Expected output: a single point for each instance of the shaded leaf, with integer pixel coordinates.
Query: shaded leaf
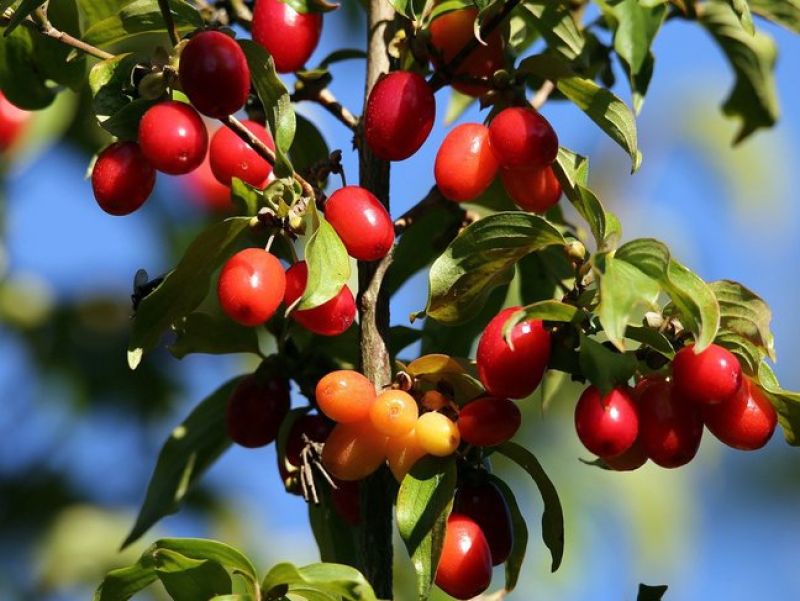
(651, 593)
(604, 367)
(335, 579)
(187, 579)
(743, 313)
(554, 22)
(137, 18)
(25, 8)
(123, 583)
(786, 403)
(516, 557)
(309, 146)
(213, 334)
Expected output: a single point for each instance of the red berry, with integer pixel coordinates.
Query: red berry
(204, 189)
(362, 222)
(251, 286)
(485, 504)
(465, 568)
(12, 122)
(488, 422)
(256, 409)
(214, 74)
(451, 32)
(607, 426)
(230, 156)
(630, 460)
(534, 189)
(514, 373)
(521, 137)
(122, 179)
(399, 115)
(346, 501)
(173, 137)
(709, 377)
(746, 421)
(670, 427)
(290, 37)
(330, 318)
(465, 164)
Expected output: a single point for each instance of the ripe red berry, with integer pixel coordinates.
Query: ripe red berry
(465, 164)
(251, 286)
(214, 74)
(399, 115)
(708, 377)
(230, 156)
(485, 504)
(362, 222)
(746, 421)
(205, 190)
(451, 32)
(256, 409)
(12, 122)
(521, 137)
(173, 137)
(290, 37)
(513, 373)
(534, 189)
(465, 567)
(330, 318)
(607, 426)
(670, 427)
(488, 422)
(630, 460)
(122, 179)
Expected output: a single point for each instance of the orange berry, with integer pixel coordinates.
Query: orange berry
(345, 396)
(434, 400)
(394, 413)
(402, 452)
(354, 451)
(437, 434)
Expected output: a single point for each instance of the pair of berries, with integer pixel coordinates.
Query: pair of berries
(662, 419)
(519, 144)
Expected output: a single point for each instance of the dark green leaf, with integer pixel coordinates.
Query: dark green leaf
(336, 539)
(520, 544)
(696, 303)
(336, 579)
(327, 261)
(277, 104)
(343, 54)
(553, 516)
(604, 367)
(423, 506)
(184, 288)
(123, 583)
(652, 338)
(187, 579)
(782, 12)
(309, 147)
(753, 100)
(213, 334)
(651, 593)
(246, 198)
(137, 18)
(20, 77)
(743, 313)
(786, 403)
(115, 108)
(554, 22)
(482, 258)
(25, 8)
(189, 451)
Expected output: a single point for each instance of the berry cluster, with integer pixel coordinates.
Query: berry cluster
(662, 418)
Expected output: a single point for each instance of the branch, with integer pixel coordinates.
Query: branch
(166, 14)
(431, 200)
(442, 76)
(328, 101)
(45, 28)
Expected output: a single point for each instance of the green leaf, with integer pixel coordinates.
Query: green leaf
(553, 516)
(554, 22)
(625, 293)
(309, 147)
(184, 288)
(786, 403)
(603, 367)
(327, 261)
(336, 539)
(204, 549)
(651, 593)
(652, 338)
(312, 6)
(482, 258)
(335, 579)
(189, 451)
(600, 104)
(742, 10)
(456, 106)
(411, 9)
(25, 8)
(246, 198)
(572, 171)
(137, 18)
(547, 310)
(20, 76)
(753, 100)
(123, 583)
(782, 12)
(436, 368)
(744, 314)
(214, 335)
(424, 503)
(694, 299)
(187, 579)
(520, 544)
(277, 103)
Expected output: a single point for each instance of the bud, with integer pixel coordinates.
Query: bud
(575, 250)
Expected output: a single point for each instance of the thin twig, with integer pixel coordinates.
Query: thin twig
(432, 199)
(328, 101)
(45, 28)
(443, 75)
(166, 14)
(542, 94)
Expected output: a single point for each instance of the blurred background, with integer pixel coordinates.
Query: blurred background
(79, 432)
